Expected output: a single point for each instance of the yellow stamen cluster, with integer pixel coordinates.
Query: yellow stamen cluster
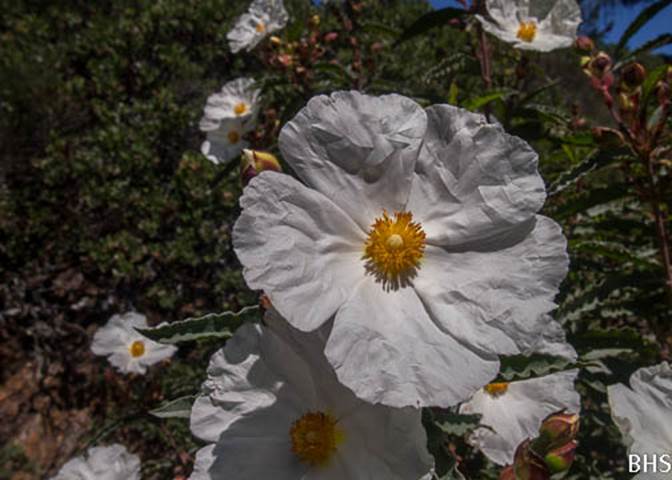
(137, 349)
(240, 108)
(496, 389)
(394, 248)
(315, 437)
(527, 31)
(233, 136)
(261, 27)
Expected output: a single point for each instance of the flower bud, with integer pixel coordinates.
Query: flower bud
(559, 428)
(633, 75)
(255, 162)
(527, 465)
(600, 65)
(276, 41)
(560, 459)
(314, 21)
(330, 37)
(507, 474)
(584, 44)
(607, 138)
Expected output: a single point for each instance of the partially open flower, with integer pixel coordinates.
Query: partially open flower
(127, 349)
(255, 162)
(599, 65)
(109, 463)
(513, 21)
(633, 75)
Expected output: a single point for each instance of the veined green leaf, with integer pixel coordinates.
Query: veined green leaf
(213, 325)
(642, 19)
(456, 423)
(177, 408)
(514, 367)
(597, 159)
(433, 19)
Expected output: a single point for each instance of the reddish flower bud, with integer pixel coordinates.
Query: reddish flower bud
(527, 465)
(600, 65)
(633, 75)
(330, 37)
(559, 428)
(561, 459)
(254, 162)
(508, 473)
(584, 44)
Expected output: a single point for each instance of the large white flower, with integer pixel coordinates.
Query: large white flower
(127, 349)
(642, 413)
(262, 18)
(514, 411)
(102, 463)
(273, 408)
(417, 230)
(512, 21)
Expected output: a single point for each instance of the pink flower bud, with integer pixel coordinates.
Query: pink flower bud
(527, 465)
(560, 428)
(584, 44)
(561, 458)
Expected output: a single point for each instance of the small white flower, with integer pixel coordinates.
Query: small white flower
(224, 139)
(127, 349)
(262, 18)
(102, 463)
(514, 411)
(417, 232)
(273, 408)
(512, 22)
(642, 413)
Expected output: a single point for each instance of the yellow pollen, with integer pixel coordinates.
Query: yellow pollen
(137, 349)
(233, 136)
(315, 437)
(261, 28)
(496, 389)
(240, 108)
(527, 31)
(394, 248)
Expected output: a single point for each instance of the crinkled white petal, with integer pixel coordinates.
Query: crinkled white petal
(113, 462)
(218, 147)
(357, 150)
(492, 295)
(552, 341)
(115, 338)
(642, 412)
(387, 349)
(264, 380)
(517, 414)
(245, 34)
(299, 247)
(472, 181)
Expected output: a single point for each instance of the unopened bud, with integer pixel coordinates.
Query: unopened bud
(276, 41)
(607, 138)
(527, 465)
(314, 21)
(560, 428)
(561, 459)
(600, 65)
(255, 162)
(633, 75)
(507, 474)
(584, 44)
(330, 37)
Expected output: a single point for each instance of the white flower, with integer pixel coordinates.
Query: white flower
(513, 22)
(514, 411)
(417, 231)
(127, 349)
(273, 408)
(227, 117)
(262, 18)
(102, 463)
(642, 413)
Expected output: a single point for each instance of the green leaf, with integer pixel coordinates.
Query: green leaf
(585, 201)
(596, 159)
(478, 102)
(515, 367)
(380, 29)
(652, 79)
(430, 20)
(647, 14)
(213, 325)
(177, 408)
(609, 338)
(455, 423)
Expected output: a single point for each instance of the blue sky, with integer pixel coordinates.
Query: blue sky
(621, 16)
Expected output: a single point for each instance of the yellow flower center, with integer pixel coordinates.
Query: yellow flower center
(527, 31)
(240, 108)
(233, 136)
(315, 437)
(394, 248)
(496, 389)
(137, 349)
(261, 28)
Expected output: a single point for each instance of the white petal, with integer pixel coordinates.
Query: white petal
(493, 296)
(386, 348)
(563, 20)
(106, 463)
(156, 352)
(517, 414)
(472, 180)
(356, 149)
(298, 247)
(642, 413)
(552, 341)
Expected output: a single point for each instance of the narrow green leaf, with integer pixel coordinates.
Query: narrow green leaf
(213, 325)
(380, 28)
(642, 19)
(178, 408)
(538, 91)
(609, 338)
(456, 423)
(515, 367)
(592, 198)
(430, 20)
(597, 159)
(652, 79)
(478, 102)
